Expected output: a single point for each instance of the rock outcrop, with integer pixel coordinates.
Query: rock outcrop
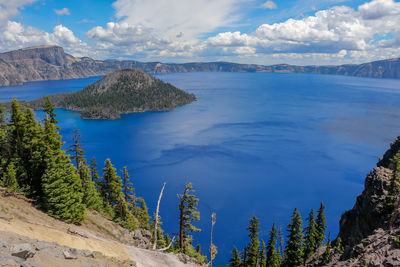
(51, 63)
(370, 231)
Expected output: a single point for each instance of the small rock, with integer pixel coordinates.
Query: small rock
(87, 253)
(23, 251)
(68, 256)
(73, 251)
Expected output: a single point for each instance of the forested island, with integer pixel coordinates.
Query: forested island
(121, 92)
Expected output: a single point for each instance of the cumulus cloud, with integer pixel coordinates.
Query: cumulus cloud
(330, 31)
(169, 18)
(62, 12)
(15, 35)
(10, 8)
(269, 5)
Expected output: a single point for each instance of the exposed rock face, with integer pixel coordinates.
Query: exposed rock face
(51, 63)
(370, 229)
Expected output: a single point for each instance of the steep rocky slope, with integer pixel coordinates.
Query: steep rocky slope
(370, 230)
(51, 63)
(29, 237)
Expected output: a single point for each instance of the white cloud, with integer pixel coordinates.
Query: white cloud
(169, 18)
(332, 31)
(269, 5)
(15, 35)
(62, 12)
(10, 8)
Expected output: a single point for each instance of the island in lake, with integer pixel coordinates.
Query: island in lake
(121, 92)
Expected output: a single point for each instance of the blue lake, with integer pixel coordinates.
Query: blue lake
(252, 144)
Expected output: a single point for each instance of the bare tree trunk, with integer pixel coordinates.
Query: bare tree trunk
(212, 251)
(170, 244)
(156, 218)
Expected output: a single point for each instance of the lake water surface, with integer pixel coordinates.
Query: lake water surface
(252, 144)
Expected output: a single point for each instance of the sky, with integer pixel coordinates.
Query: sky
(302, 32)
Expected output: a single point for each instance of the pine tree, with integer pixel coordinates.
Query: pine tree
(262, 258)
(235, 261)
(99, 182)
(61, 185)
(328, 250)
(112, 182)
(17, 130)
(310, 233)
(76, 150)
(32, 153)
(321, 226)
(49, 109)
(253, 247)
(141, 212)
(273, 258)
(10, 179)
(294, 246)
(339, 246)
(129, 191)
(188, 214)
(62, 190)
(91, 197)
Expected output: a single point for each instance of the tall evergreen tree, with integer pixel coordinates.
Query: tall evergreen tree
(294, 246)
(188, 214)
(112, 181)
(142, 213)
(321, 226)
(99, 182)
(310, 235)
(61, 185)
(254, 245)
(49, 109)
(262, 258)
(235, 261)
(76, 150)
(91, 197)
(273, 258)
(63, 190)
(129, 191)
(10, 178)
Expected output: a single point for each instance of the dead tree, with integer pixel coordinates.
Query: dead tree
(156, 217)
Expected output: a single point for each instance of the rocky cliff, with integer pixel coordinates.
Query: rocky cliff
(370, 231)
(52, 63)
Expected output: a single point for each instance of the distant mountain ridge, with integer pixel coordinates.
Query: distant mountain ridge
(52, 63)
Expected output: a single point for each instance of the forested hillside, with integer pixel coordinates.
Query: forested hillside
(123, 91)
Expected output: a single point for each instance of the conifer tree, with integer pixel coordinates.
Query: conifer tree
(273, 258)
(188, 214)
(328, 250)
(310, 235)
(321, 226)
(61, 185)
(76, 150)
(10, 178)
(49, 109)
(129, 191)
(99, 182)
(17, 131)
(91, 197)
(339, 246)
(142, 214)
(235, 261)
(112, 182)
(254, 245)
(262, 258)
(294, 246)
(62, 190)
